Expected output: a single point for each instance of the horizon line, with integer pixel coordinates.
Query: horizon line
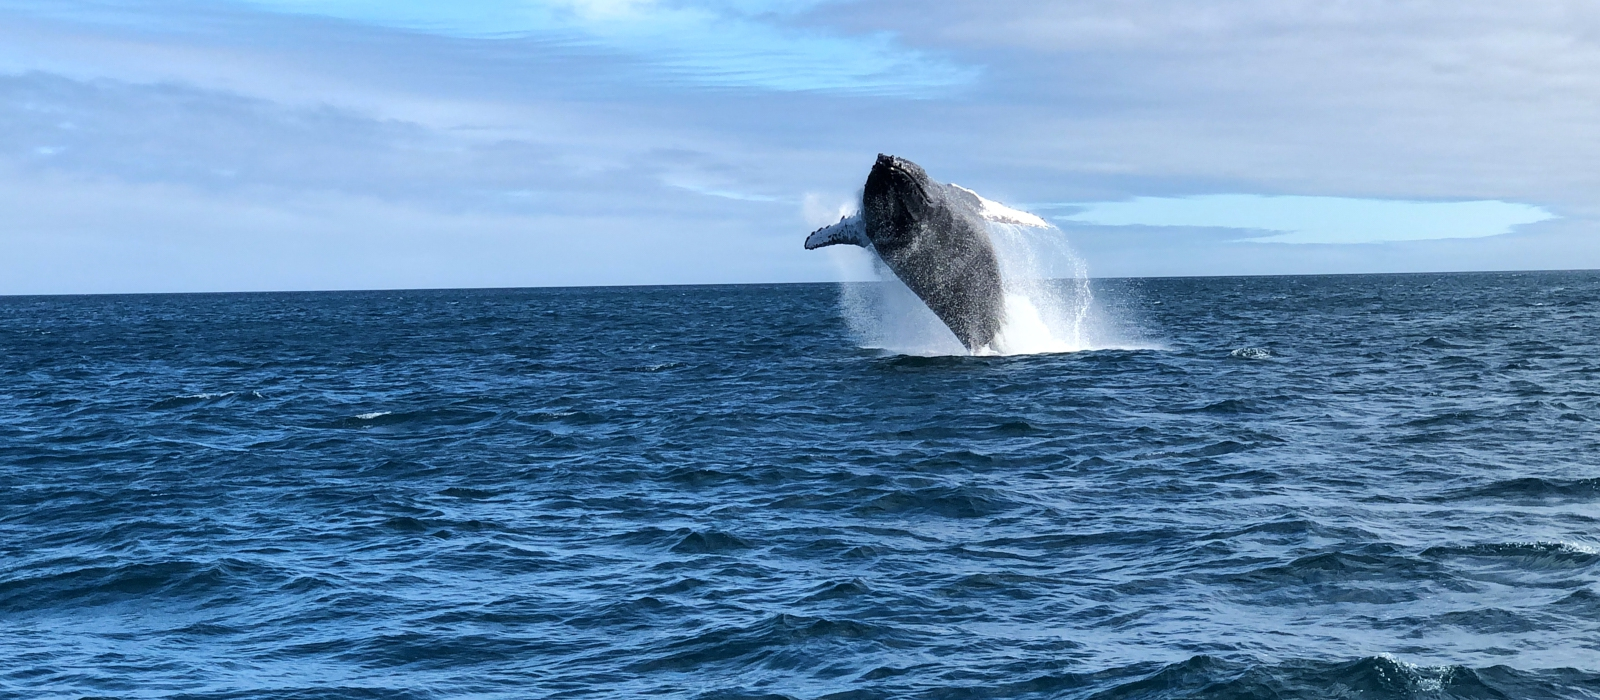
(755, 284)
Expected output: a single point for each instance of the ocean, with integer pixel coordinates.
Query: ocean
(1379, 486)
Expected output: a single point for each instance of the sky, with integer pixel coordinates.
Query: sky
(240, 145)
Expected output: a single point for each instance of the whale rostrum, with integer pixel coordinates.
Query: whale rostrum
(933, 237)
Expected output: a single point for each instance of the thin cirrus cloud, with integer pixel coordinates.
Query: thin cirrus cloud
(1307, 219)
(717, 44)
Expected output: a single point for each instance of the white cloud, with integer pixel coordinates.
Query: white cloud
(1316, 219)
(64, 234)
(704, 43)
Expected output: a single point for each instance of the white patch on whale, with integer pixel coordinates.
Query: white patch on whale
(1002, 214)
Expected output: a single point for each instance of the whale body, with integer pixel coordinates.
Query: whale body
(933, 237)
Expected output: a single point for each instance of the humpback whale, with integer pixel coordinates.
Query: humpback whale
(932, 236)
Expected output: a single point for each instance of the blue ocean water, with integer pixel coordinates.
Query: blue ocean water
(1310, 487)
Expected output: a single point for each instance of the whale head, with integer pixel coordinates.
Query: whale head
(898, 194)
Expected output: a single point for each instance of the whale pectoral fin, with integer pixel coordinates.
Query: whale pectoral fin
(1015, 218)
(991, 210)
(849, 230)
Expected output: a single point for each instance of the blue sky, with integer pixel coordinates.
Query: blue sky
(327, 144)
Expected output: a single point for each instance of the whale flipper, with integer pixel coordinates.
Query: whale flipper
(991, 210)
(849, 230)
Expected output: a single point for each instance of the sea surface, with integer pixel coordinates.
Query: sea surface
(1302, 487)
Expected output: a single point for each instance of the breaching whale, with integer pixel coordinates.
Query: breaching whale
(933, 238)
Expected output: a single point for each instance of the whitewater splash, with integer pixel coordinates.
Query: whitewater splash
(1049, 304)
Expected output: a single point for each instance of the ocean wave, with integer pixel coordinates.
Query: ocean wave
(1379, 677)
(781, 641)
(1377, 574)
(428, 417)
(709, 542)
(1375, 677)
(204, 399)
(172, 581)
(1537, 555)
(1531, 488)
(946, 501)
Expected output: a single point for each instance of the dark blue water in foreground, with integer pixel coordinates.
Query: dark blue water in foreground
(712, 492)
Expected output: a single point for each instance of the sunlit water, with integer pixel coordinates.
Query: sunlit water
(1310, 487)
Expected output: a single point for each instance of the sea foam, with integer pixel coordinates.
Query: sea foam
(1049, 302)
